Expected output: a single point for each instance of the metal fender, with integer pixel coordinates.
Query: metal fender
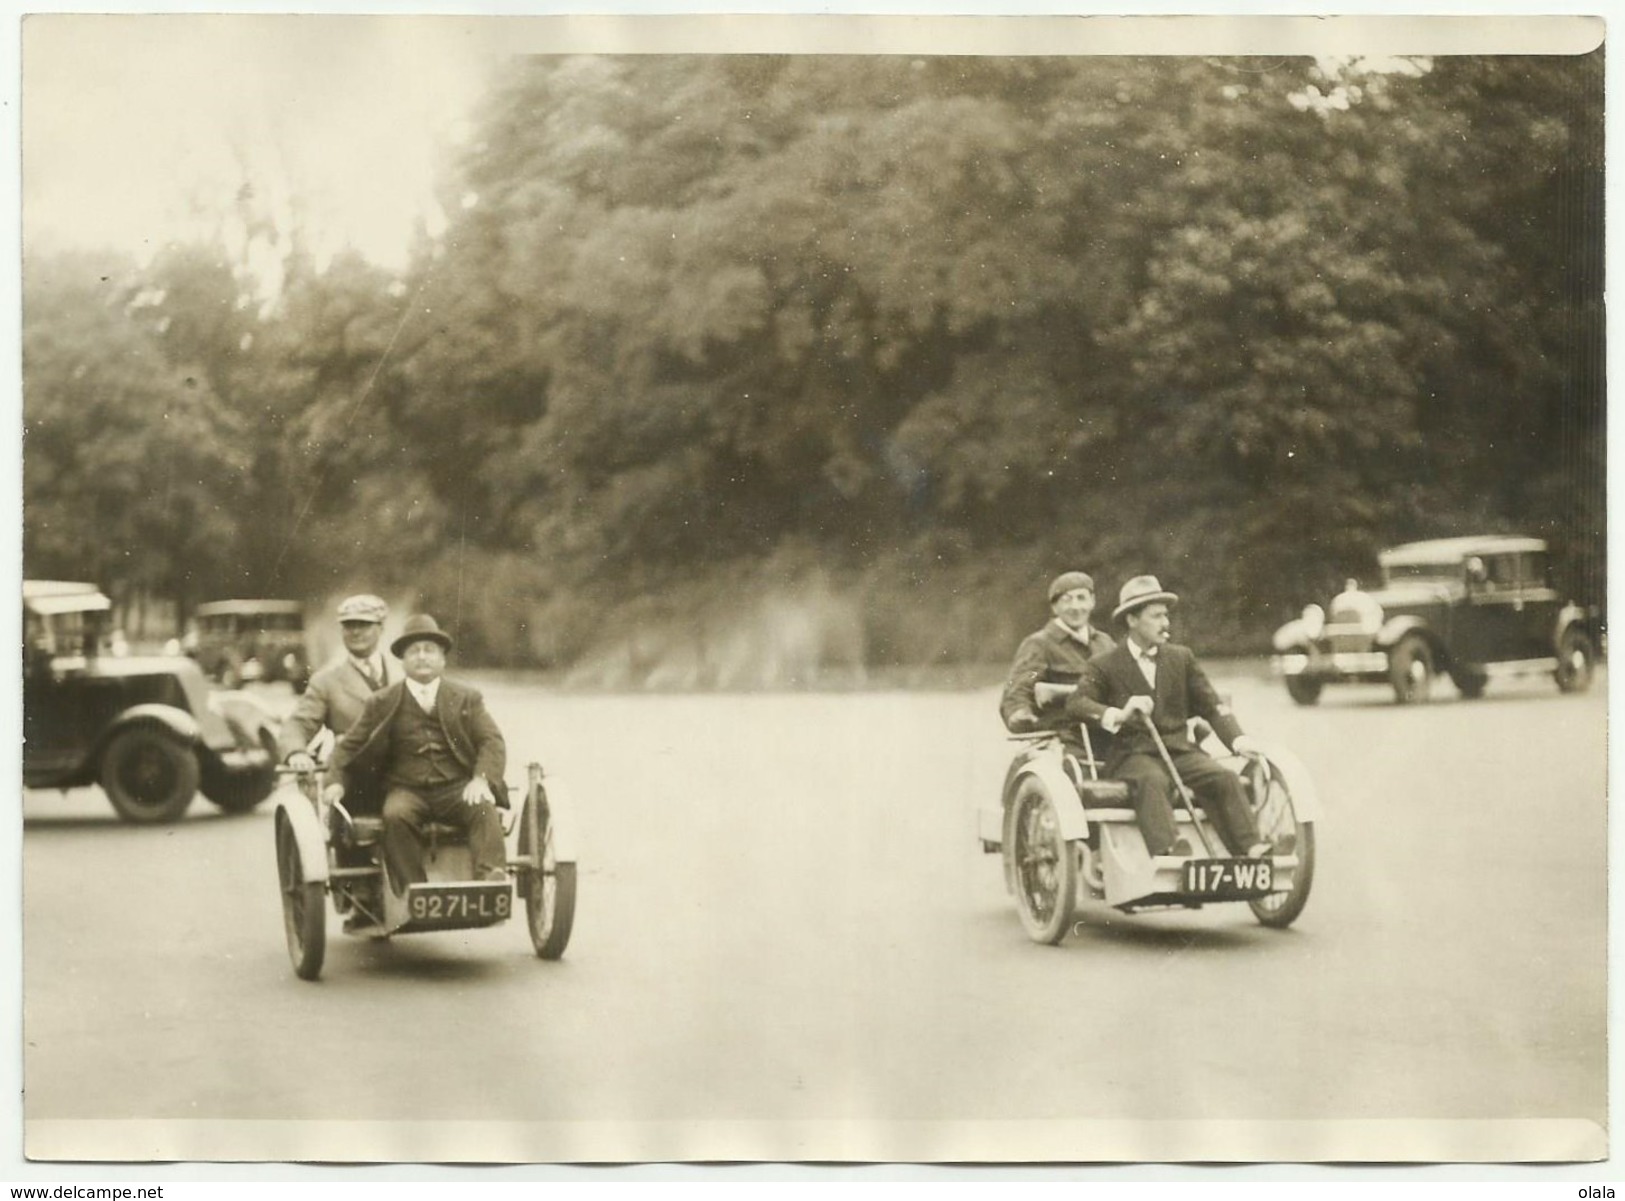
(243, 709)
(178, 721)
(1063, 793)
(1396, 628)
(560, 807)
(1305, 797)
(295, 808)
(1569, 615)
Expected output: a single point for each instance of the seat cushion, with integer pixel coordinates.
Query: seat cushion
(1105, 794)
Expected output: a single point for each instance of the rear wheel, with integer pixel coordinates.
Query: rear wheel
(149, 774)
(1043, 866)
(1304, 690)
(1575, 656)
(550, 890)
(304, 917)
(1410, 669)
(1470, 681)
(1277, 819)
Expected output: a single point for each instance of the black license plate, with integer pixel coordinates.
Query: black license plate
(458, 906)
(1228, 879)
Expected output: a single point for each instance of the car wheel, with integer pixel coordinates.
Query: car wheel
(1410, 670)
(1304, 690)
(1470, 681)
(304, 918)
(240, 792)
(149, 774)
(1046, 867)
(1575, 657)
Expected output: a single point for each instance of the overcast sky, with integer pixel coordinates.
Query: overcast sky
(130, 121)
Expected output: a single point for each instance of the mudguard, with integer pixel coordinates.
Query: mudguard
(178, 721)
(1396, 628)
(1305, 799)
(559, 808)
(307, 831)
(1063, 793)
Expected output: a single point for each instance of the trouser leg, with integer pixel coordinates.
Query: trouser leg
(481, 822)
(1152, 808)
(404, 814)
(1222, 797)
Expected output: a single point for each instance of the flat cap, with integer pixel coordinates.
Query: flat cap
(1067, 581)
(365, 607)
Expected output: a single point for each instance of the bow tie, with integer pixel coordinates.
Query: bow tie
(1149, 653)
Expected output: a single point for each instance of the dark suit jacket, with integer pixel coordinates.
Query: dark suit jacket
(1183, 691)
(1053, 655)
(362, 755)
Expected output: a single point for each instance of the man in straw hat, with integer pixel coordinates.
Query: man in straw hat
(1148, 678)
(338, 691)
(438, 754)
(1056, 654)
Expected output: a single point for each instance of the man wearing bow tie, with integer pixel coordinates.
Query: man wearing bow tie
(1148, 677)
(338, 691)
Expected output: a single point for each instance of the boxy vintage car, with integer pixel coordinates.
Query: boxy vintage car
(148, 729)
(241, 641)
(1475, 608)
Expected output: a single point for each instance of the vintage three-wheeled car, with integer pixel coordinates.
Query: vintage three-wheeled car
(323, 851)
(1069, 838)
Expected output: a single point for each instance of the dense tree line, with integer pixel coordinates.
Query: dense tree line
(898, 337)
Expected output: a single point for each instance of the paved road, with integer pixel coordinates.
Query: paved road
(785, 916)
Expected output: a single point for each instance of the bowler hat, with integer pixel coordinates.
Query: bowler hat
(419, 627)
(1141, 590)
(1067, 581)
(365, 607)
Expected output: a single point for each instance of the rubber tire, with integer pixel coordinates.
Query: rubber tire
(549, 918)
(1046, 869)
(1412, 651)
(1470, 682)
(150, 775)
(1280, 910)
(240, 793)
(1569, 677)
(1304, 692)
(304, 907)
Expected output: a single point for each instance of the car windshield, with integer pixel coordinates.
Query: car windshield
(1423, 573)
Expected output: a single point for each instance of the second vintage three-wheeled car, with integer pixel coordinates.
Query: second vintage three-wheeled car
(325, 851)
(1069, 838)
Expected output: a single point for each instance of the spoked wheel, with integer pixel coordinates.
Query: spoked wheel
(1575, 656)
(1410, 670)
(1277, 818)
(550, 887)
(1042, 864)
(304, 915)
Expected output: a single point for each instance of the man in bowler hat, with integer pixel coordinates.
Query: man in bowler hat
(1150, 678)
(438, 753)
(1056, 654)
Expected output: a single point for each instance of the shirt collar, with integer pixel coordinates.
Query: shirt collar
(425, 693)
(373, 666)
(1140, 656)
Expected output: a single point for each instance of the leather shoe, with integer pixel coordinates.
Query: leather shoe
(1180, 850)
(495, 875)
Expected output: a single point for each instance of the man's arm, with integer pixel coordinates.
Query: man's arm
(347, 747)
(1018, 706)
(490, 750)
(1205, 702)
(307, 719)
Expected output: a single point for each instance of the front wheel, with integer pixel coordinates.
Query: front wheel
(550, 891)
(1277, 819)
(1410, 669)
(1575, 657)
(150, 775)
(1470, 681)
(1042, 863)
(1304, 690)
(304, 916)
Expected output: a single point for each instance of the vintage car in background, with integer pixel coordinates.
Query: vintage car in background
(1475, 608)
(240, 641)
(148, 729)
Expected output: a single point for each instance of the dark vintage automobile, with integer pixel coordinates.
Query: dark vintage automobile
(240, 641)
(147, 729)
(1475, 608)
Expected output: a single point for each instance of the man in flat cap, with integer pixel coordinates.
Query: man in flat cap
(1056, 654)
(438, 754)
(1148, 678)
(338, 691)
